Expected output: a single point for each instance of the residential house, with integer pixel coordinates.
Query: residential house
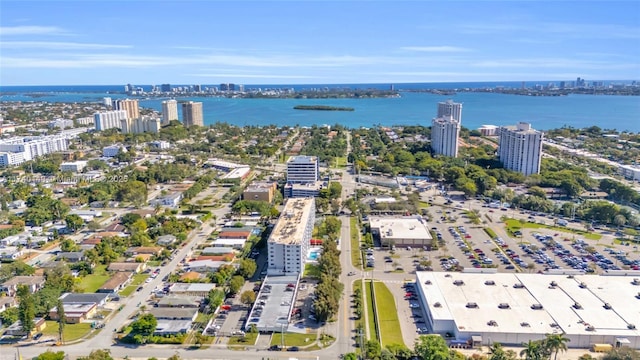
(134, 267)
(204, 266)
(137, 250)
(195, 289)
(116, 283)
(173, 320)
(10, 253)
(180, 301)
(171, 200)
(166, 240)
(34, 283)
(15, 329)
(7, 302)
(72, 257)
(79, 307)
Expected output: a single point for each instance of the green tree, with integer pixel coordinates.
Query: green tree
(74, 222)
(62, 320)
(235, 284)
(556, 343)
(350, 356)
(97, 355)
(26, 309)
(623, 353)
(431, 347)
(532, 350)
(248, 297)
(16, 268)
(50, 355)
(145, 325)
(372, 349)
(247, 268)
(215, 298)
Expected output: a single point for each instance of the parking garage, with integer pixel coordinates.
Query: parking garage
(272, 309)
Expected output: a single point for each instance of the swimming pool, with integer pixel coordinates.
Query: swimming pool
(313, 255)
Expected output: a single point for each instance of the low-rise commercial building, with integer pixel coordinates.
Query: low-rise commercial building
(410, 231)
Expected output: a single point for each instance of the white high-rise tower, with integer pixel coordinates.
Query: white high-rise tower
(450, 108)
(169, 111)
(521, 148)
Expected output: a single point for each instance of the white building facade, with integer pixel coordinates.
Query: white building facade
(169, 111)
(109, 119)
(444, 136)
(289, 241)
(75, 166)
(303, 169)
(520, 148)
(450, 108)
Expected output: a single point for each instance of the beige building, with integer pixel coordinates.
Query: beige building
(131, 106)
(260, 191)
(169, 111)
(192, 114)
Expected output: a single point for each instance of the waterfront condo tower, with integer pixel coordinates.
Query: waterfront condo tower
(192, 114)
(131, 106)
(450, 108)
(520, 148)
(169, 111)
(444, 136)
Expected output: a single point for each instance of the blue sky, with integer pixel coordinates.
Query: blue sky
(306, 42)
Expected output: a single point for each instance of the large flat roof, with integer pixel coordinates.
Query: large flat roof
(454, 291)
(292, 222)
(414, 227)
(277, 305)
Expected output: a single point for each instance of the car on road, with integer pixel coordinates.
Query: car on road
(37, 336)
(293, 348)
(351, 273)
(414, 306)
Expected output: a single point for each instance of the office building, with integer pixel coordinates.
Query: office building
(106, 120)
(192, 114)
(113, 150)
(129, 105)
(444, 136)
(630, 172)
(410, 231)
(289, 241)
(520, 148)
(303, 169)
(450, 108)
(169, 111)
(60, 123)
(478, 309)
(75, 166)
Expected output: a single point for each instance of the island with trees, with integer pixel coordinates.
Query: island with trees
(322, 108)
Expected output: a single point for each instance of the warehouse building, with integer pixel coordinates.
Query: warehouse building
(509, 308)
(408, 231)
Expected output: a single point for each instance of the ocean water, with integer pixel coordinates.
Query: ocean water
(608, 112)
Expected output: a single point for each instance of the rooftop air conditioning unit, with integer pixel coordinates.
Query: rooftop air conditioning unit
(577, 306)
(489, 282)
(583, 285)
(553, 284)
(428, 282)
(590, 328)
(504, 306)
(536, 307)
(636, 281)
(492, 323)
(458, 282)
(525, 324)
(631, 327)
(437, 305)
(472, 305)
(518, 286)
(607, 306)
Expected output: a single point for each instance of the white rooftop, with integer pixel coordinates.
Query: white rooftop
(292, 222)
(401, 227)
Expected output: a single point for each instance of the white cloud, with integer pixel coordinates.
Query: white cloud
(31, 30)
(438, 49)
(58, 45)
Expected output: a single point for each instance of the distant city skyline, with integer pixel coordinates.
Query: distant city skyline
(313, 42)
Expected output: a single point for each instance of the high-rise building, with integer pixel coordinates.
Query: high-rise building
(192, 114)
(303, 169)
(444, 136)
(520, 148)
(450, 108)
(131, 106)
(140, 125)
(169, 111)
(109, 119)
(289, 241)
(106, 101)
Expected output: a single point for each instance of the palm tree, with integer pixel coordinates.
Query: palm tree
(497, 352)
(532, 350)
(555, 343)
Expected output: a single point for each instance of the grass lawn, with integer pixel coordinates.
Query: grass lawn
(293, 339)
(387, 316)
(249, 339)
(340, 162)
(71, 331)
(359, 322)
(154, 263)
(513, 225)
(423, 204)
(492, 234)
(137, 280)
(373, 335)
(93, 282)
(356, 254)
(311, 270)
